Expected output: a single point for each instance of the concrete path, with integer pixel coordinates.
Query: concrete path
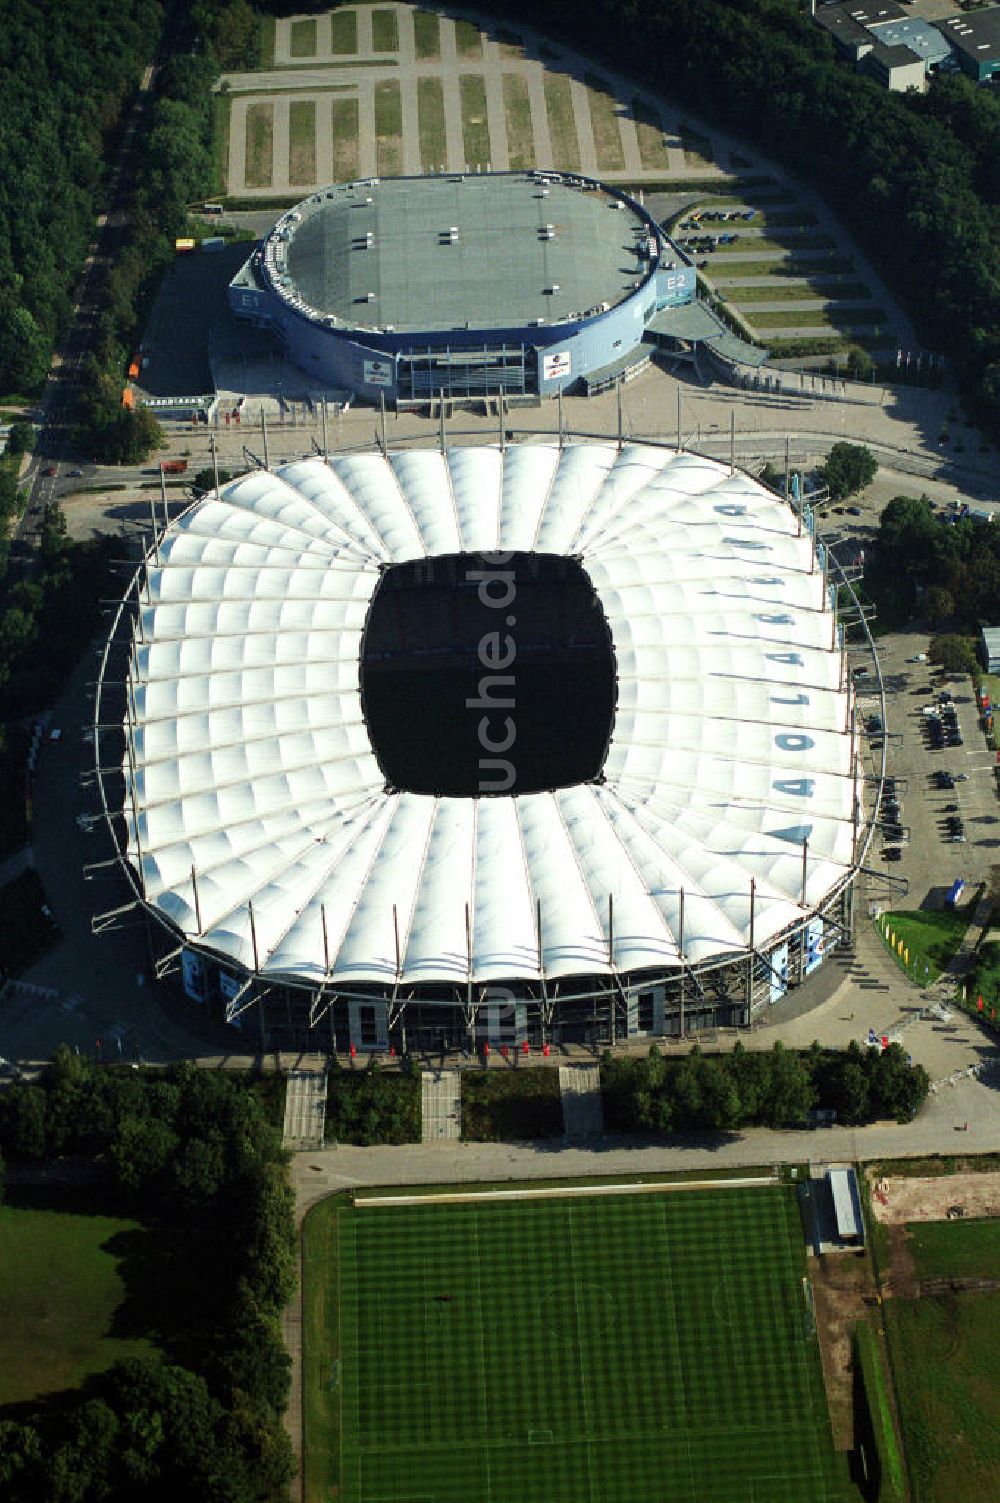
(583, 1111)
(305, 1110)
(440, 1105)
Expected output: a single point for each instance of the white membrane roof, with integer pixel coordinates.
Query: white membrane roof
(254, 768)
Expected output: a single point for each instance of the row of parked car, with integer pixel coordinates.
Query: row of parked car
(941, 723)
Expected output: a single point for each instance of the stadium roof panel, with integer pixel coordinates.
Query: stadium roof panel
(486, 251)
(254, 769)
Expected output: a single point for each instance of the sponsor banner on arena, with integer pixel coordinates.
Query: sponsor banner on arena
(815, 945)
(378, 372)
(555, 367)
(779, 972)
(229, 985)
(193, 977)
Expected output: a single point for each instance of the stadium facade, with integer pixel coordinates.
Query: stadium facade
(406, 290)
(698, 869)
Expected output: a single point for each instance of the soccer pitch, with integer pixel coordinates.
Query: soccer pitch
(627, 1346)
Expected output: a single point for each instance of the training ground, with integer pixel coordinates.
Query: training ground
(645, 1345)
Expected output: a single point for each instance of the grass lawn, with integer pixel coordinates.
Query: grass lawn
(945, 1357)
(517, 116)
(344, 32)
(388, 128)
(649, 130)
(565, 1349)
(265, 32)
(805, 241)
(931, 938)
(961, 1249)
(302, 141)
(426, 34)
(260, 145)
(818, 266)
(468, 39)
(385, 31)
(809, 318)
(430, 118)
(59, 1289)
(697, 148)
(507, 1104)
(562, 123)
(345, 140)
(604, 108)
(26, 932)
(302, 38)
(794, 293)
(475, 131)
(221, 105)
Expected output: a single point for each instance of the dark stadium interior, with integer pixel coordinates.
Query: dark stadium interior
(518, 641)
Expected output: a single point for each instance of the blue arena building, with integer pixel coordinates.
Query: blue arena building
(413, 289)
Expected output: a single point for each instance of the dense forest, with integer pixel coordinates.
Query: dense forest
(194, 1156)
(916, 178)
(66, 69)
(68, 72)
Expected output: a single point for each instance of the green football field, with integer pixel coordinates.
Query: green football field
(629, 1346)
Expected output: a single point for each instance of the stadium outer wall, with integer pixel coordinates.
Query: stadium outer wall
(376, 365)
(595, 1011)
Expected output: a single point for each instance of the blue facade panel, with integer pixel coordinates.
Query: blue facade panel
(545, 358)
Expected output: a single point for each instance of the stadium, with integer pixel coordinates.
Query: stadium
(410, 290)
(521, 743)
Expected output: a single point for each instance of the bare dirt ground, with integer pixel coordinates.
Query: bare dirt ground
(842, 1288)
(898, 1200)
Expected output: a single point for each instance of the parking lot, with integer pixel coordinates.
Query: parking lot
(944, 822)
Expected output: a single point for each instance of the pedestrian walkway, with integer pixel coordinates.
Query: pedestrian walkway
(305, 1110)
(440, 1106)
(583, 1111)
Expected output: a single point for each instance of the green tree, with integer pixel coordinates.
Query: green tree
(939, 604)
(848, 469)
(953, 653)
(21, 438)
(23, 1112)
(790, 1091)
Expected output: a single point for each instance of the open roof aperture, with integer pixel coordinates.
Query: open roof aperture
(487, 674)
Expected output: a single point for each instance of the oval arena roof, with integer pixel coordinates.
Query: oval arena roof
(253, 764)
(497, 250)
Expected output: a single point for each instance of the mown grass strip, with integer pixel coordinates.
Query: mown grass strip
(388, 128)
(344, 32)
(468, 39)
(604, 108)
(385, 31)
(562, 122)
(260, 145)
(346, 164)
(302, 141)
(649, 131)
(302, 38)
(517, 118)
(475, 130)
(431, 123)
(426, 34)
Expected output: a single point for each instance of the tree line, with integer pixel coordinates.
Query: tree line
(193, 1155)
(757, 1088)
(949, 570)
(915, 177)
(170, 167)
